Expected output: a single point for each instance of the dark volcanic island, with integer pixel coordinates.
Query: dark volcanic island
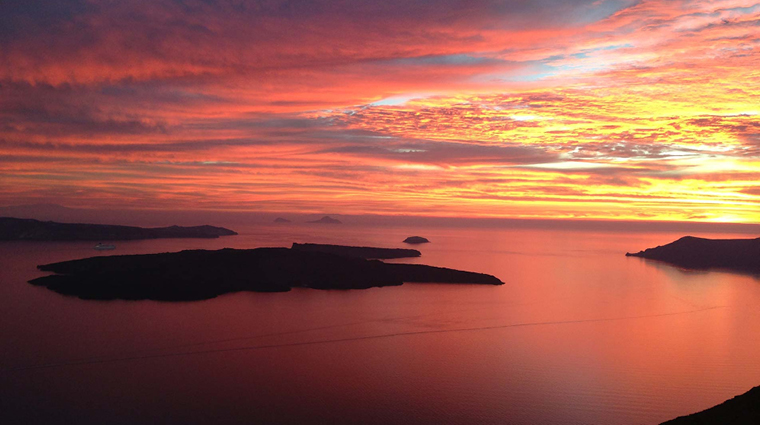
(697, 253)
(20, 229)
(200, 274)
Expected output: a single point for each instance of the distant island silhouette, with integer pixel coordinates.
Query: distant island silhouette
(22, 229)
(699, 253)
(200, 274)
(358, 251)
(416, 240)
(326, 220)
(281, 220)
(741, 410)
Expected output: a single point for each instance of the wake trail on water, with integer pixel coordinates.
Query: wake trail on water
(135, 353)
(102, 360)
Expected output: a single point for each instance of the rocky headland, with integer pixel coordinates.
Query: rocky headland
(698, 253)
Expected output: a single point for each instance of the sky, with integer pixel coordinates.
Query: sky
(562, 109)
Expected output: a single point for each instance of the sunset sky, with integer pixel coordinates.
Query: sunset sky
(644, 110)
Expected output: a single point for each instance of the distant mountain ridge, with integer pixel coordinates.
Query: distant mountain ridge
(26, 229)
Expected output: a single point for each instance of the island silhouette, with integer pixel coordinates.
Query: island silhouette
(414, 240)
(281, 220)
(699, 253)
(326, 220)
(24, 229)
(358, 251)
(200, 274)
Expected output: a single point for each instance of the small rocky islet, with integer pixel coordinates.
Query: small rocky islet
(414, 240)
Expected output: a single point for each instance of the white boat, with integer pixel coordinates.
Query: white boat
(104, 247)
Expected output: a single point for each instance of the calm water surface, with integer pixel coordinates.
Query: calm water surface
(579, 334)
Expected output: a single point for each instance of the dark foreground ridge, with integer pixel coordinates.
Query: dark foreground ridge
(199, 274)
(358, 251)
(698, 253)
(741, 410)
(20, 229)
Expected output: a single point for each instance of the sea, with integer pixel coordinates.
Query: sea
(578, 334)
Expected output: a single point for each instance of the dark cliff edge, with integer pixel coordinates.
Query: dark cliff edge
(358, 251)
(19, 229)
(200, 274)
(741, 410)
(698, 253)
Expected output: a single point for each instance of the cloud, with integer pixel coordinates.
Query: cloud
(85, 42)
(571, 108)
(447, 153)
